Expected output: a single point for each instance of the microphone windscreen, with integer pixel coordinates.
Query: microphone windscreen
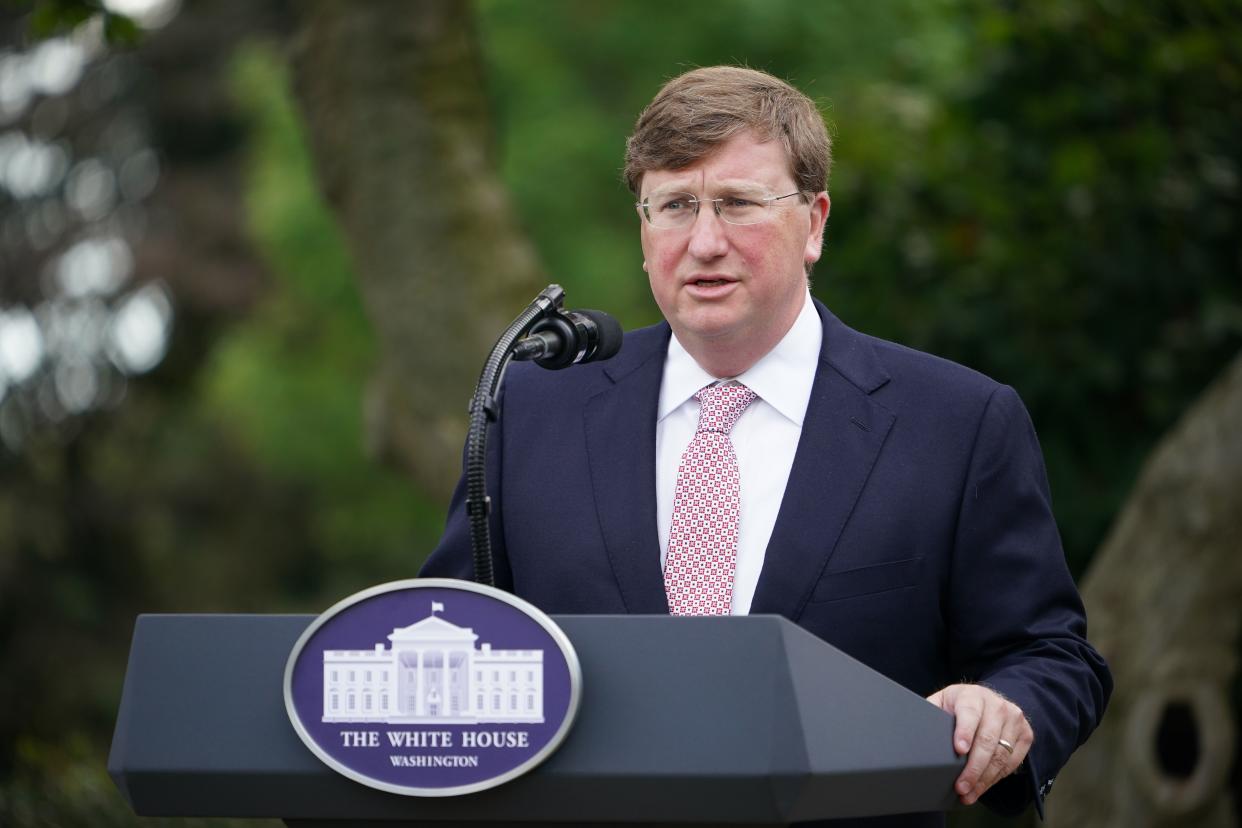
(610, 333)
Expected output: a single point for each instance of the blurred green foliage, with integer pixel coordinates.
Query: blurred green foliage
(1048, 192)
(1072, 230)
(54, 17)
(234, 479)
(290, 380)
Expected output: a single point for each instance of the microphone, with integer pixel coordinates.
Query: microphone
(570, 338)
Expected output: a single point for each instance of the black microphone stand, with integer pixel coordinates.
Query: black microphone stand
(484, 410)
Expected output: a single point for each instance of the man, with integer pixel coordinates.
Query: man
(892, 503)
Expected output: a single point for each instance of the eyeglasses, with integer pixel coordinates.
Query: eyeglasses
(673, 211)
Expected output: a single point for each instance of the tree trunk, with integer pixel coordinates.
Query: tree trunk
(1164, 599)
(393, 96)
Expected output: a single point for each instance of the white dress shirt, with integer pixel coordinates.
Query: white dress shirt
(765, 437)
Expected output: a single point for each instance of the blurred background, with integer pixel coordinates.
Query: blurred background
(252, 255)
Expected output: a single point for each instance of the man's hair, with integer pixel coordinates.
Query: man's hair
(697, 111)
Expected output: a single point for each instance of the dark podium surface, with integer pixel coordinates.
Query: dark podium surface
(738, 720)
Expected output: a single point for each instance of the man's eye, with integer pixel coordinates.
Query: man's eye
(740, 201)
(673, 204)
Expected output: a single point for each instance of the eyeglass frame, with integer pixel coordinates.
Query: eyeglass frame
(645, 205)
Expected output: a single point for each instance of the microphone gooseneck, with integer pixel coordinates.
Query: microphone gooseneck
(553, 338)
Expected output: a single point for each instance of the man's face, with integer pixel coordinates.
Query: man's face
(727, 289)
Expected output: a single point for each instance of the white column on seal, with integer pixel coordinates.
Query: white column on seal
(444, 682)
(419, 706)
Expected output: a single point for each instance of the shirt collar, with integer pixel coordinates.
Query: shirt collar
(782, 377)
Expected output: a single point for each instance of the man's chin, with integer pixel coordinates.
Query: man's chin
(710, 326)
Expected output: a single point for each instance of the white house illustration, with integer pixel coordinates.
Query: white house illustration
(433, 674)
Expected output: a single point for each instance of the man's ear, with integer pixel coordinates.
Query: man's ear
(821, 205)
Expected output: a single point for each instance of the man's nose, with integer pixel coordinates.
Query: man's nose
(707, 234)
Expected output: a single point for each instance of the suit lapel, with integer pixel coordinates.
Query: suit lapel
(842, 435)
(620, 434)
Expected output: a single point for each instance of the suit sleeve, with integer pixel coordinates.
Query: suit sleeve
(1017, 623)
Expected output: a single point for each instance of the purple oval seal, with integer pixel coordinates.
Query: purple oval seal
(432, 687)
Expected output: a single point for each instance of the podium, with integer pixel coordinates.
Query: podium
(745, 720)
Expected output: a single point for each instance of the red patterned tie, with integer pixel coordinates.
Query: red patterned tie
(702, 542)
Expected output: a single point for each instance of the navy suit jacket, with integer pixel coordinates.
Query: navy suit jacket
(916, 532)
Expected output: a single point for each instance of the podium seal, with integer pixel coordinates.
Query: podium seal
(432, 687)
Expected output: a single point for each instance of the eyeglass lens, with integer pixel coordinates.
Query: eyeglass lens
(671, 210)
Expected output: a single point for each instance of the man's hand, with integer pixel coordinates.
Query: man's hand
(986, 723)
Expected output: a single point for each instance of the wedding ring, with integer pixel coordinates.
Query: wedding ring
(1007, 745)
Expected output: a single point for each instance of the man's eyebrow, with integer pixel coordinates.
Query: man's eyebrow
(674, 187)
(741, 184)
(726, 185)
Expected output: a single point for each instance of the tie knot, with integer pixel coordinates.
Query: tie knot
(721, 405)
